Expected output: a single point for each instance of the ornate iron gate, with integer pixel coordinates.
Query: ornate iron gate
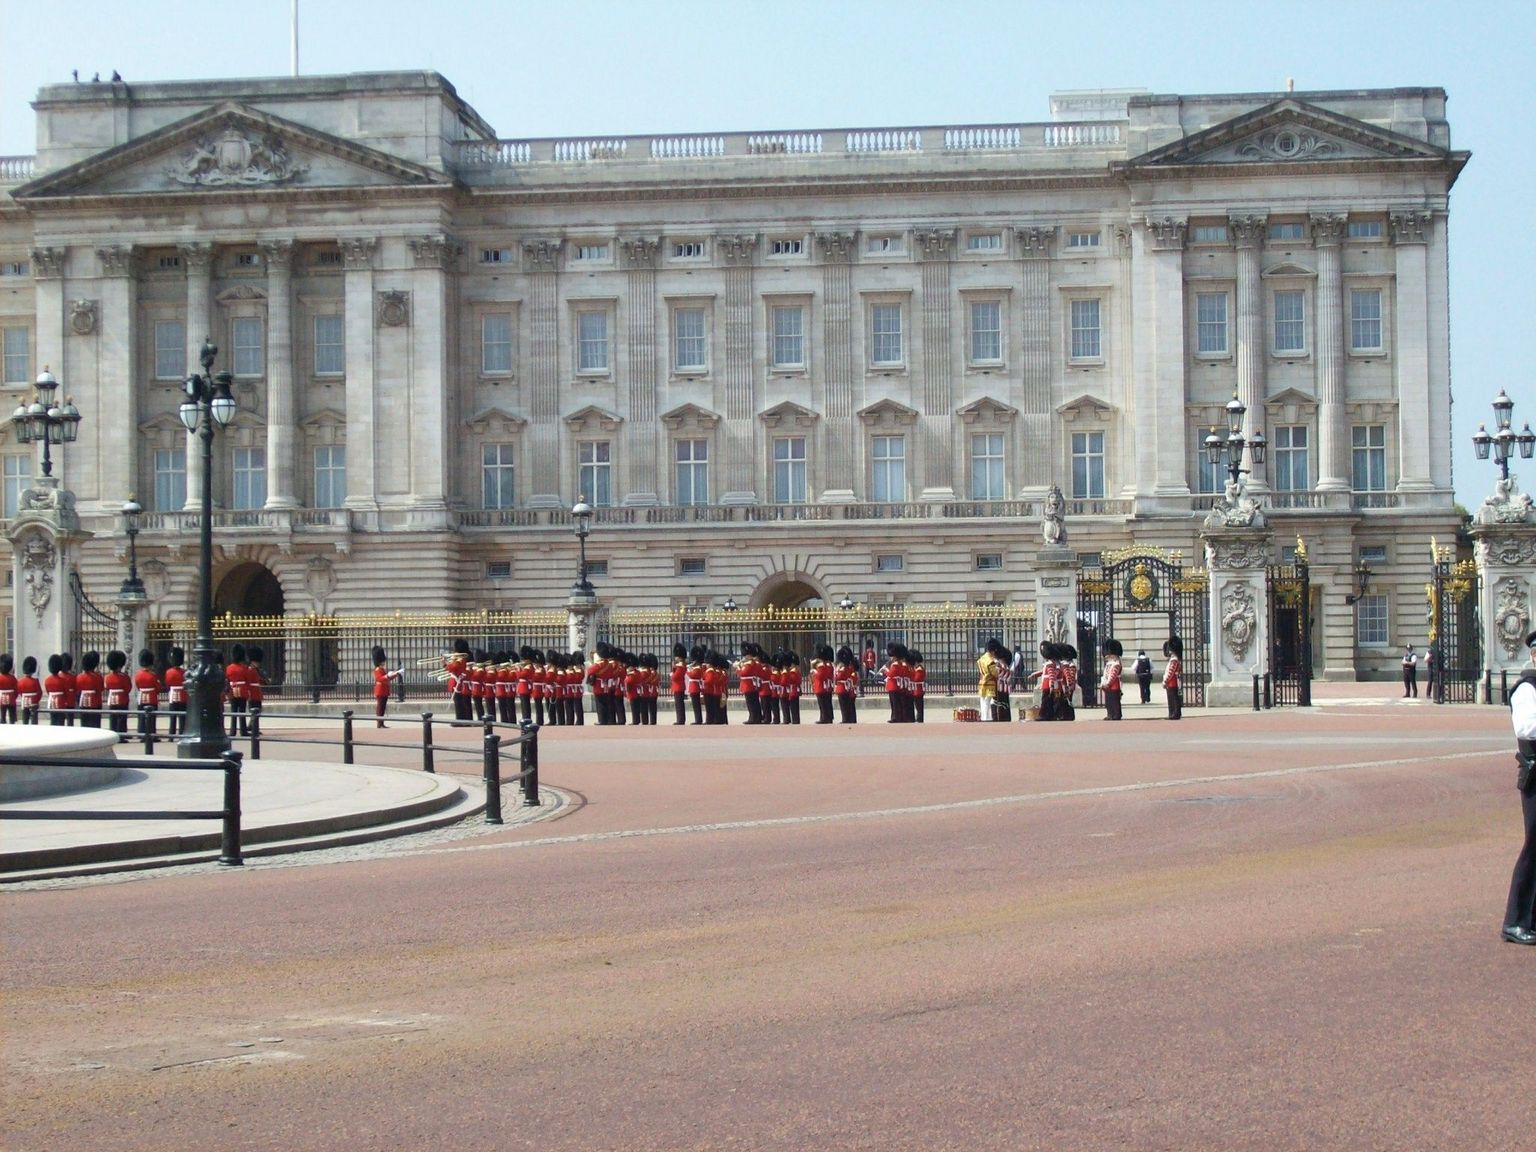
(91, 628)
(1153, 582)
(1455, 633)
(1289, 588)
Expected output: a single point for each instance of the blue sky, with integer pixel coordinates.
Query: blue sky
(536, 68)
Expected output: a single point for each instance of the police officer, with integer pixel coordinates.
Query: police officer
(1521, 909)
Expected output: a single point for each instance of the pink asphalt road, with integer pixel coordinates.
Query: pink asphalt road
(1268, 931)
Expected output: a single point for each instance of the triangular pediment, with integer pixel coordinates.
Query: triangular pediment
(594, 418)
(495, 418)
(324, 418)
(987, 410)
(230, 148)
(888, 411)
(787, 414)
(1289, 132)
(1087, 405)
(690, 416)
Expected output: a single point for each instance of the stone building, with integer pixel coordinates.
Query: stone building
(785, 366)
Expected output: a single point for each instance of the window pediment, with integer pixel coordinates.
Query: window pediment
(987, 411)
(593, 419)
(887, 413)
(1086, 407)
(787, 415)
(495, 420)
(690, 417)
(1289, 269)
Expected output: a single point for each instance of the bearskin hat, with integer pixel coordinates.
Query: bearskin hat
(378, 654)
(678, 650)
(177, 658)
(66, 661)
(29, 665)
(146, 658)
(89, 662)
(237, 653)
(1173, 647)
(7, 662)
(55, 664)
(1114, 648)
(117, 660)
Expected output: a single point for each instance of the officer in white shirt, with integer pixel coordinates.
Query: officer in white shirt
(1521, 910)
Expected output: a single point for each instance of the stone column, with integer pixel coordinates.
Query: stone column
(1161, 466)
(541, 260)
(1504, 544)
(839, 457)
(936, 251)
(1332, 434)
(197, 260)
(282, 449)
(1252, 348)
(642, 451)
(738, 430)
(361, 399)
(45, 538)
(1237, 558)
(581, 609)
(1056, 594)
(117, 382)
(1410, 234)
(132, 623)
(430, 441)
(1035, 451)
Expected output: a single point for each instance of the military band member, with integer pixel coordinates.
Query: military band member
(715, 679)
(7, 689)
(694, 681)
(234, 677)
(1109, 679)
(176, 692)
(792, 684)
(576, 685)
(845, 684)
(919, 684)
(255, 681)
(147, 686)
(71, 690)
(524, 676)
(822, 669)
(679, 684)
(29, 692)
(88, 690)
(382, 680)
(747, 683)
(53, 689)
(1173, 677)
(770, 683)
(117, 686)
(456, 664)
(1066, 682)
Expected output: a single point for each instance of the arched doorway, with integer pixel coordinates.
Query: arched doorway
(803, 625)
(787, 594)
(248, 590)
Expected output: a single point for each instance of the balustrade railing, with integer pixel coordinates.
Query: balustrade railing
(15, 169)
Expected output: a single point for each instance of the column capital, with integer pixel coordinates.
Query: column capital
(836, 247)
(1167, 234)
(542, 255)
(436, 251)
(117, 260)
(357, 252)
(1035, 241)
(737, 249)
(935, 243)
(1328, 228)
(196, 257)
(1248, 230)
(640, 251)
(278, 254)
(1411, 226)
(48, 263)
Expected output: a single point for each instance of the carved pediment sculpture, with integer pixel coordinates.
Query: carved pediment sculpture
(236, 157)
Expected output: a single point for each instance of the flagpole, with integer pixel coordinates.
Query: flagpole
(294, 36)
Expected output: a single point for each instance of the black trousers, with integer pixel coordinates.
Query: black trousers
(823, 707)
(848, 705)
(1410, 681)
(698, 707)
(754, 708)
(917, 709)
(1175, 703)
(680, 706)
(1145, 683)
(792, 710)
(1520, 912)
(1112, 703)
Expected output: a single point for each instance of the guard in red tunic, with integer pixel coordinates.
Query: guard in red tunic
(234, 678)
(29, 692)
(147, 686)
(845, 684)
(7, 689)
(71, 689)
(255, 682)
(523, 681)
(176, 692)
(382, 677)
(456, 665)
(919, 676)
(53, 689)
(1173, 677)
(88, 690)
(117, 686)
(694, 681)
(679, 684)
(1109, 679)
(821, 682)
(792, 683)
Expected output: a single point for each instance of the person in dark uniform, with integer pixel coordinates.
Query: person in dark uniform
(234, 677)
(1173, 677)
(1143, 670)
(1410, 673)
(1520, 912)
(117, 685)
(7, 689)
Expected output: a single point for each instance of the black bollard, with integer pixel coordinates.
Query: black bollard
(492, 778)
(1255, 691)
(427, 763)
(229, 841)
(256, 735)
(1269, 691)
(528, 758)
(346, 736)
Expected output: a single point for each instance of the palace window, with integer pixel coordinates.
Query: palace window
(889, 563)
(1369, 457)
(1372, 616)
(989, 561)
(250, 478)
(1210, 234)
(1291, 472)
(248, 338)
(688, 250)
(789, 470)
(1365, 320)
(330, 345)
(788, 247)
(497, 476)
(885, 347)
(888, 469)
(1084, 239)
(18, 359)
(495, 255)
(1288, 231)
(592, 342)
(987, 481)
(984, 242)
(688, 340)
(18, 478)
(692, 566)
(788, 349)
(1211, 323)
(170, 350)
(1087, 336)
(692, 460)
(876, 245)
(1087, 465)
(594, 472)
(1290, 321)
(986, 334)
(496, 344)
(330, 475)
(592, 252)
(1365, 230)
(170, 479)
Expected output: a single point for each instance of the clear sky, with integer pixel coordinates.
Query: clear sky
(574, 67)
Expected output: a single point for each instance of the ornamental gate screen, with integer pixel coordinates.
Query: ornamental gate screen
(1455, 634)
(1141, 597)
(1290, 647)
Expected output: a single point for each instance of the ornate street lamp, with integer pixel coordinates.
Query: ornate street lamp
(846, 603)
(582, 512)
(45, 422)
(729, 605)
(132, 586)
(1505, 439)
(1363, 576)
(208, 403)
(1230, 450)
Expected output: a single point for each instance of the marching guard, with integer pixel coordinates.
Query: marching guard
(88, 690)
(1173, 677)
(1109, 679)
(822, 671)
(7, 689)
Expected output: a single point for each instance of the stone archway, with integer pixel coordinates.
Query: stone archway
(248, 589)
(788, 590)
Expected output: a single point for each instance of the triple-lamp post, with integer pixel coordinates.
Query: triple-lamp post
(1232, 447)
(132, 586)
(46, 423)
(1504, 440)
(208, 402)
(582, 514)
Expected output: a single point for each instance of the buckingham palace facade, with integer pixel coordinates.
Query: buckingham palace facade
(785, 367)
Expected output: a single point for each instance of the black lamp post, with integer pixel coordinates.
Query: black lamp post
(583, 515)
(1231, 449)
(132, 586)
(729, 605)
(1363, 576)
(846, 603)
(1503, 441)
(45, 422)
(208, 402)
